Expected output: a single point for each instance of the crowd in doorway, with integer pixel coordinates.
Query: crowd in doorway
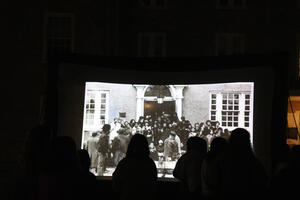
(166, 134)
(54, 169)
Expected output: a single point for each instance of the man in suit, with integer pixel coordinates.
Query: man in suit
(91, 147)
(171, 147)
(103, 149)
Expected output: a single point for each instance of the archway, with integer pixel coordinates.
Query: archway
(158, 99)
(173, 95)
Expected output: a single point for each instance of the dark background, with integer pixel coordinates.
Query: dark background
(110, 28)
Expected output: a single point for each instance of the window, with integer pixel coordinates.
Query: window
(247, 110)
(213, 107)
(90, 109)
(229, 44)
(230, 109)
(103, 107)
(58, 34)
(156, 4)
(151, 44)
(96, 108)
(231, 4)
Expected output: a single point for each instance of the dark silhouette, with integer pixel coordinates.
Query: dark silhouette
(87, 179)
(241, 173)
(284, 183)
(210, 172)
(135, 176)
(36, 151)
(188, 167)
(61, 180)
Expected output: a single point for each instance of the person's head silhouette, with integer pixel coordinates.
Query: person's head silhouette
(84, 160)
(240, 141)
(138, 147)
(196, 144)
(37, 145)
(64, 154)
(218, 145)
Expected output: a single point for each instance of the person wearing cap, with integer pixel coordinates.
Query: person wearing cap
(171, 147)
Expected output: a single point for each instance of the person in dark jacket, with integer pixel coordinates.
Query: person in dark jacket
(241, 173)
(188, 167)
(135, 177)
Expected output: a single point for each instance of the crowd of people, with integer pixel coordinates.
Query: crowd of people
(55, 169)
(166, 135)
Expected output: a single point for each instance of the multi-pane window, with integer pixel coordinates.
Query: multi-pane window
(90, 109)
(152, 44)
(59, 34)
(231, 4)
(213, 107)
(103, 108)
(230, 109)
(247, 110)
(96, 108)
(230, 44)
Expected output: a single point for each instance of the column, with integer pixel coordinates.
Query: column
(178, 99)
(139, 100)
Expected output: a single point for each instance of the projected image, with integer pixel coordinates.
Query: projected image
(166, 114)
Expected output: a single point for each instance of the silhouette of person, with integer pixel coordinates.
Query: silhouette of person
(87, 179)
(241, 173)
(210, 173)
(135, 176)
(35, 161)
(284, 183)
(61, 181)
(188, 167)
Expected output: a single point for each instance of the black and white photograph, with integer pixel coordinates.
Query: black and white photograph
(167, 115)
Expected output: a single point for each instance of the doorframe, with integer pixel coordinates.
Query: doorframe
(176, 95)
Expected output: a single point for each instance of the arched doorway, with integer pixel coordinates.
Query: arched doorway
(158, 99)
(169, 96)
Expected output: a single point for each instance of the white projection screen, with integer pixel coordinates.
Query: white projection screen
(91, 96)
(203, 110)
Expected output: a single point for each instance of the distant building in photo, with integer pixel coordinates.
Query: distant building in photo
(230, 103)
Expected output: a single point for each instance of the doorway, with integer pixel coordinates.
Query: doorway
(154, 109)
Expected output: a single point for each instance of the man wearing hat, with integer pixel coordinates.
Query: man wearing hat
(171, 147)
(103, 149)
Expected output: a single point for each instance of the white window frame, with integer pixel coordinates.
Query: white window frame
(231, 5)
(241, 110)
(97, 114)
(151, 50)
(230, 37)
(45, 35)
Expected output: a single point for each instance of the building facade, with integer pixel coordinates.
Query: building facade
(229, 103)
